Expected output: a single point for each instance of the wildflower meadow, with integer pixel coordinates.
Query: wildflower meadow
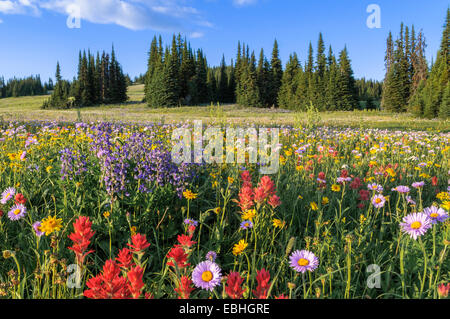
(100, 210)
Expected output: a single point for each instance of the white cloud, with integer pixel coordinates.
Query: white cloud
(160, 15)
(196, 35)
(242, 3)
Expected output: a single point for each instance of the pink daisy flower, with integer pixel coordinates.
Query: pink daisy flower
(416, 224)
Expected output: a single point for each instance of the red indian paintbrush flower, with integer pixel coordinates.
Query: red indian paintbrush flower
(81, 238)
(125, 258)
(246, 178)
(443, 290)
(179, 256)
(139, 243)
(109, 284)
(267, 185)
(185, 288)
(263, 278)
(20, 199)
(259, 195)
(233, 287)
(185, 241)
(434, 181)
(136, 284)
(274, 201)
(246, 198)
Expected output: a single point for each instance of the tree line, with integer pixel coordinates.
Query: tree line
(28, 86)
(410, 84)
(100, 80)
(179, 75)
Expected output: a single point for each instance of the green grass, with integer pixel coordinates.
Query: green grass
(134, 110)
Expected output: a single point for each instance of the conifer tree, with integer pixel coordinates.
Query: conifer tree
(276, 74)
(287, 97)
(346, 84)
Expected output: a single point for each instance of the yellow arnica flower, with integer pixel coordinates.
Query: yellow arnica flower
(249, 214)
(50, 225)
(325, 200)
(217, 210)
(189, 195)
(443, 196)
(230, 180)
(336, 188)
(239, 247)
(446, 205)
(278, 223)
(49, 168)
(314, 206)
(133, 230)
(106, 214)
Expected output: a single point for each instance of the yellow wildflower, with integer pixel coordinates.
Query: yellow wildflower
(249, 214)
(336, 188)
(239, 247)
(50, 225)
(189, 195)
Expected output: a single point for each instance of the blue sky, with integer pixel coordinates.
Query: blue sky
(35, 34)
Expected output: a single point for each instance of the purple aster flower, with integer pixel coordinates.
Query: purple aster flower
(211, 256)
(341, 180)
(7, 195)
(246, 224)
(17, 212)
(375, 187)
(304, 260)
(191, 222)
(418, 184)
(410, 200)
(378, 201)
(36, 227)
(401, 189)
(436, 214)
(416, 224)
(206, 275)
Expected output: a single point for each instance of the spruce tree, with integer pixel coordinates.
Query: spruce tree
(346, 83)
(276, 74)
(287, 97)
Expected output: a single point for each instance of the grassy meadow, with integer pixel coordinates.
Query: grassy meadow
(28, 108)
(356, 194)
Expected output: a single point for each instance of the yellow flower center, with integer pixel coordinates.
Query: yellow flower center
(378, 200)
(207, 276)
(303, 262)
(416, 225)
(17, 211)
(434, 215)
